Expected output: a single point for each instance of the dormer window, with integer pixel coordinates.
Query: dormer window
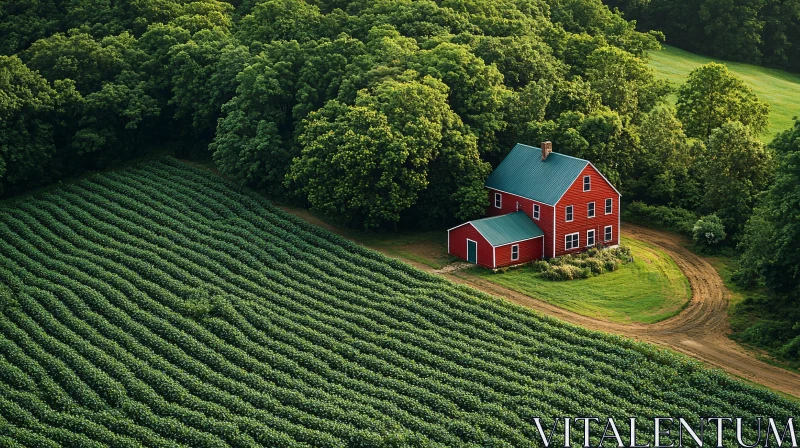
(587, 183)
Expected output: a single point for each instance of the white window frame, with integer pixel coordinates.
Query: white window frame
(515, 253)
(609, 232)
(537, 211)
(568, 241)
(593, 210)
(569, 213)
(498, 200)
(594, 240)
(609, 206)
(585, 179)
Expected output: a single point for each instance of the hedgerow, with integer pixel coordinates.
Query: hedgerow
(161, 306)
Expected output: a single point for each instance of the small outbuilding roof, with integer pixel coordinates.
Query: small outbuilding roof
(524, 173)
(506, 229)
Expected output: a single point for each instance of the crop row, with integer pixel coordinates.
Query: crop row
(305, 339)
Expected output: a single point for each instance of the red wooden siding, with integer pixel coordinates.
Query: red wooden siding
(509, 205)
(528, 251)
(457, 244)
(579, 199)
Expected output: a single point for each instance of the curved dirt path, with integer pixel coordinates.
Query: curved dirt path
(700, 330)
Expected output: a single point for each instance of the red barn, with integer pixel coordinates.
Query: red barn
(565, 198)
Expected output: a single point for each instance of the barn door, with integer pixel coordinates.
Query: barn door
(472, 251)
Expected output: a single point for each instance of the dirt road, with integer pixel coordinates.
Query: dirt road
(699, 331)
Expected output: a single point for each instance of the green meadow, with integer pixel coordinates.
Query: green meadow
(779, 88)
(650, 289)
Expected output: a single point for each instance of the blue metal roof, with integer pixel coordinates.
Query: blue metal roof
(505, 229)
(523, 173)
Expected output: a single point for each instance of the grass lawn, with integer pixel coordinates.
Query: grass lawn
(724, 267)
(650, 289)
(428, 248)
(779, 88)
(756, 311)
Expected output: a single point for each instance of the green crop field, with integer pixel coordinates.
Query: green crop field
(650, 289)
(160, 306)
(778, 88)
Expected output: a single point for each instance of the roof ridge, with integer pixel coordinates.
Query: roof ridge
(489, 218)
(554, 152)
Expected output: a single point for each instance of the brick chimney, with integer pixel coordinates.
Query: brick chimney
(547, 148)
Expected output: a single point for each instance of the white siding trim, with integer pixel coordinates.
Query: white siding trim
(573, 180)
(476, 229)
(619, 219)
(484, 237)
(554, 231)
(604, 178)
(519, 241)
(520, 196)
(579, 175)
(454, 228)
(476, 250)
(470, 223)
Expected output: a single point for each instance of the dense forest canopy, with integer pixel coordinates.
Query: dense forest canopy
(763, 32)
(379, 112)
(375, 111)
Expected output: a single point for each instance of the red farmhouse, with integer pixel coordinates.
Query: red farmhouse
(543, 205)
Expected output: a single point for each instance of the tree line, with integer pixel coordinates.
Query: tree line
(375, 112)
(379, 112)
(765, 32)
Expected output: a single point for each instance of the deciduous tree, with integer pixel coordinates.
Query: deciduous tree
(26, 134)
(735, 167)
(771, 243)
(712, 96)
(369, 162)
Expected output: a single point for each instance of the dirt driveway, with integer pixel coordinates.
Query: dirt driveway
(699, 331)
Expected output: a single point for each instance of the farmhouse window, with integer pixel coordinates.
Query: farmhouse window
(535, 211)
(569, 213)
(587, 183)
(498, 200)
(515, 252)
(590, 210)
(572, 241)
(609, 206)
(607, 236)
(589, 238)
